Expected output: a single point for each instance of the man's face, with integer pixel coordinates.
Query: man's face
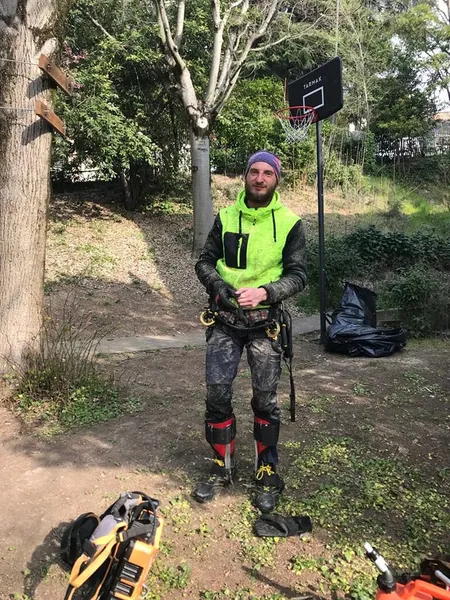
(260, 184)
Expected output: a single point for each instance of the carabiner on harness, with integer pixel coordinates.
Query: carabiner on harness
(272, 330)
(208, 318)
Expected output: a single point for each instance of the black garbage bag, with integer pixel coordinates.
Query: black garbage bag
(354, 330)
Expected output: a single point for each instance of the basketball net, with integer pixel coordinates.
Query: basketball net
(296, 121)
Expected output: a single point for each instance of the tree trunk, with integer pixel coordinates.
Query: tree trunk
(201, 190)
(128, 198)
(24, 178)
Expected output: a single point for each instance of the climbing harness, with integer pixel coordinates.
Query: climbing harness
(275, 323)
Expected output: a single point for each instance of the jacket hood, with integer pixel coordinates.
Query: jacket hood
(260, 212)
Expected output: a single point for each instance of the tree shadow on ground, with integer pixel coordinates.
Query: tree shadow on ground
(134, 267)
(125, 310)
(309, 594)
(86, 201)
(43, 558)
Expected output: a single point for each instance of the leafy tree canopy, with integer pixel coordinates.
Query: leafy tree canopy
(403, 108)
(425, 32)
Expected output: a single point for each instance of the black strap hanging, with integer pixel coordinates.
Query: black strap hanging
(288, 354)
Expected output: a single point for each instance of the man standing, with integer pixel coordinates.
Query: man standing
(253, 259)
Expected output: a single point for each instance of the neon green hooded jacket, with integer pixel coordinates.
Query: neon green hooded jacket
(255, 247)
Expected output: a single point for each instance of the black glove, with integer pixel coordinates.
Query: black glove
(222, 296)
(274, 525)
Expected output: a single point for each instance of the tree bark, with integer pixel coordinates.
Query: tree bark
(128, 197)
(201, 189)
(25, 142)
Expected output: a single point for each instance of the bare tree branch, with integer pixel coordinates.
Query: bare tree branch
(223, 100)
(244, 8)
(100, 26)
(445, 14)
(228, 56)
(167, 37)
(216, 14)
(272, 44)
(219, 27)
(288, 36)
(180, 23)
(216, 80)
(229, 78)
(362, 65)
(185, 87)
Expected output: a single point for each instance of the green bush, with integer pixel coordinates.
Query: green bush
(61, 385)
(422, 294)
(409, 272)
(395, 249)
(338, 174)
(420, 170)
(340, 265)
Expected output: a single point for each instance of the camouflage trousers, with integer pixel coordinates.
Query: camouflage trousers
(223, 354)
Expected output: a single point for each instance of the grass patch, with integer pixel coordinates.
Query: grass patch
(178, 513)
(400, 510)
(98, 257)
(259, 552)
(354, 494)
(346, 573)
(242, 594)
(321, 404)
(359, 389)
(409, 207)
(438, 343)
(41, 401)
(164, 578)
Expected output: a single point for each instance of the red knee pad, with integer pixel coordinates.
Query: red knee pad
(220, 435)
(265, 433)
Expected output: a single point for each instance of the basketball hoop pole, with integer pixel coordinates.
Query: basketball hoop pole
(322, 90)
(323, 308)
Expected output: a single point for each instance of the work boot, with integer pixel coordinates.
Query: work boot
(218, 478)
(269, 486)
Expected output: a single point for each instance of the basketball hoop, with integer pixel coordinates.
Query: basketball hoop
(296, 121)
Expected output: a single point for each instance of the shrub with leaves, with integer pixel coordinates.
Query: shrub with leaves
(394, 249)
(409, 272)
(340, 265)
(62, 386)
(423, 294)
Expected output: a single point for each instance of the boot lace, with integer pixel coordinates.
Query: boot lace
(218, 462)
(264, 469)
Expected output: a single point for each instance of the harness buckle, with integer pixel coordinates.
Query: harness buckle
(207, 318)
(272, 330)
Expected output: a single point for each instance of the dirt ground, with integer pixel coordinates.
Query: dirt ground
(161, 451)
(138, 276)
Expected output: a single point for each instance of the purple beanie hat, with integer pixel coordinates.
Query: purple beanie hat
(267, 157)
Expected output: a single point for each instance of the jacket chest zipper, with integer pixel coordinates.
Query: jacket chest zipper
(238, 258)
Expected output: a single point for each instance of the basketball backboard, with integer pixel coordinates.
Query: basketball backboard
(320, 88)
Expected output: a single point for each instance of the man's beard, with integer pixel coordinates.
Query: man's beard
(261, 198)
